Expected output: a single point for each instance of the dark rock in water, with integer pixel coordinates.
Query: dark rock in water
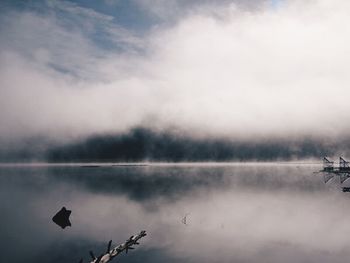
(62, 218)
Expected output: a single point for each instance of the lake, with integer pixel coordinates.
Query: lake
(235, 212)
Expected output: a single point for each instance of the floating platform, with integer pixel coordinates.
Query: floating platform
(346, 189)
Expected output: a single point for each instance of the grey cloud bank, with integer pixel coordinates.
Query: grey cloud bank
(221, 70)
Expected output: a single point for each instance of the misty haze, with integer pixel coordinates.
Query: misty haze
(210, 124)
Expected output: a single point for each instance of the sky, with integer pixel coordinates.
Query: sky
(238, 69)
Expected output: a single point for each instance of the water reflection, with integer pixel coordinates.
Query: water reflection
(237, 213)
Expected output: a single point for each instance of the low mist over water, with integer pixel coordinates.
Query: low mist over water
(236, 213)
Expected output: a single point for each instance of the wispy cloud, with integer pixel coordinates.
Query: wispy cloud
(219, 70)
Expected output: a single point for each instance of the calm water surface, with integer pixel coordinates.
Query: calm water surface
(236, 213)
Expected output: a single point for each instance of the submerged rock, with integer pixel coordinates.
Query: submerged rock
(61, 218)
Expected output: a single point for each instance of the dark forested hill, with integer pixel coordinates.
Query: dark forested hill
(146, 145)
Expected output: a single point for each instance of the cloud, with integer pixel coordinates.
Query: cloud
(220, 70)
